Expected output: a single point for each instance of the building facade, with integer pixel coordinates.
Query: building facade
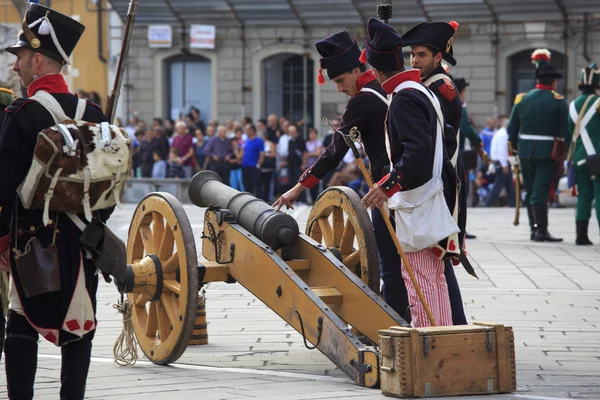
(263, 70)
(90, 58)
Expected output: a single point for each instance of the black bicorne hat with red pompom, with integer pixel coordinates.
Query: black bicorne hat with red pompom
(437, 35)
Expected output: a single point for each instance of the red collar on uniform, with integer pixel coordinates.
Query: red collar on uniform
(391, 84)
(543, 87)
(51, 83)
(363, 79)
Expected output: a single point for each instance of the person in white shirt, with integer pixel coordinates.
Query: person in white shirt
(499, 155)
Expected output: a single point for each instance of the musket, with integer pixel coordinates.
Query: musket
(351, 139)
(517, 173)
(113, 97)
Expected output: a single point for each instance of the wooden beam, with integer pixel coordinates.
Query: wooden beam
(424, 10)
(360, 14)
(235, 13)
(174, 12)
(303, 23)
(492, 12)
(562, 9)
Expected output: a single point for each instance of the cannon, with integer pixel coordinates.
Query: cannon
(245, 240)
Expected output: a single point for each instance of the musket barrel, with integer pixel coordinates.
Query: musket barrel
(274, 228)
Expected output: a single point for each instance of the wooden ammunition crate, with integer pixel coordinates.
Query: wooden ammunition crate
(447, 361)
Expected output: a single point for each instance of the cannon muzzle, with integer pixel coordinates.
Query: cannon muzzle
(274, 228)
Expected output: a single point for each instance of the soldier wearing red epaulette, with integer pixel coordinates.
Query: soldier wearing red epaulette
(343, 63)
(65, 317)
(421, 185)
(431, 42)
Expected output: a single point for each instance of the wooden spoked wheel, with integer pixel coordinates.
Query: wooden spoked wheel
(339, 221)
(162, 252)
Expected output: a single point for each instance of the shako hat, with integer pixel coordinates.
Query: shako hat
(590, 76)
(48, 32)
(437, 35)
(383, 49)
(340, 54)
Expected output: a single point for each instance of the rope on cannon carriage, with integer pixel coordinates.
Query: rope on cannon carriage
(125, 349)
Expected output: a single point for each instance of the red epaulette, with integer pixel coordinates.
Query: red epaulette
(448, 90)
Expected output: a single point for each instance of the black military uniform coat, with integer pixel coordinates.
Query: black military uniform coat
(447, 93)
(24, 119)
(412, 128)
(367, 112)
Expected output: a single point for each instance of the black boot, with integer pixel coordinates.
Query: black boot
(540, 211)
(531, 222)
(582, 233)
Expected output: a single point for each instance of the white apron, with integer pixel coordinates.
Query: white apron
(421, 214)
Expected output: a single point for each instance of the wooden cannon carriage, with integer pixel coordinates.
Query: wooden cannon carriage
(320, 295)
(320, 283)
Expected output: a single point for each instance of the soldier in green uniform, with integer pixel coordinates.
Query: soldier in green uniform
(586, 110)
(538, 118)
(466, 128)
(468, 132)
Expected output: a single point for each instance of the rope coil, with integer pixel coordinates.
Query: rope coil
(125, 349)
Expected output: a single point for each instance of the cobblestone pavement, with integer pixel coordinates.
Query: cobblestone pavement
(549, 293)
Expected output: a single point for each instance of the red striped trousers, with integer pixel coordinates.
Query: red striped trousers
(429, 273)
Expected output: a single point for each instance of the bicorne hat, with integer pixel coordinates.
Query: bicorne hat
(437, 35)
(340, 54)
(383, 49)
(48, 32)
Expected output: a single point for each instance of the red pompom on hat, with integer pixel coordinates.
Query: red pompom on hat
(454, 24)
(320, 77)
(363, 56)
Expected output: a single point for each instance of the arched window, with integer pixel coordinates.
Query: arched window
(189, 84)
(284, 87)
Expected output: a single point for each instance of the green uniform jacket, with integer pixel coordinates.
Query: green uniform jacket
(467, 131)
(539, 112)
(593, 127)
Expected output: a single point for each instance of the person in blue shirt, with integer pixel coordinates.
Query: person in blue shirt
(159, 168)
(252, 157)
(487, 134)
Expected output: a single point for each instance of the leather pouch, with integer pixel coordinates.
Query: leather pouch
(109, 253)
(593, 165)
(559, 150)
(469, 159)
(39, 269)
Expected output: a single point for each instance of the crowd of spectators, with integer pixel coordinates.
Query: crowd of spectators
(264, 157)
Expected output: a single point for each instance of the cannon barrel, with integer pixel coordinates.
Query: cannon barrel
(274, 228)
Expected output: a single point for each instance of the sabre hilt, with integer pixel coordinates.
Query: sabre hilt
(384, 11)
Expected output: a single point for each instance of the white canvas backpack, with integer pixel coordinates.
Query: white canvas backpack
(77, 167)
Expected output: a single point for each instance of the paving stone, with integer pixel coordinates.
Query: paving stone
(548, 293)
